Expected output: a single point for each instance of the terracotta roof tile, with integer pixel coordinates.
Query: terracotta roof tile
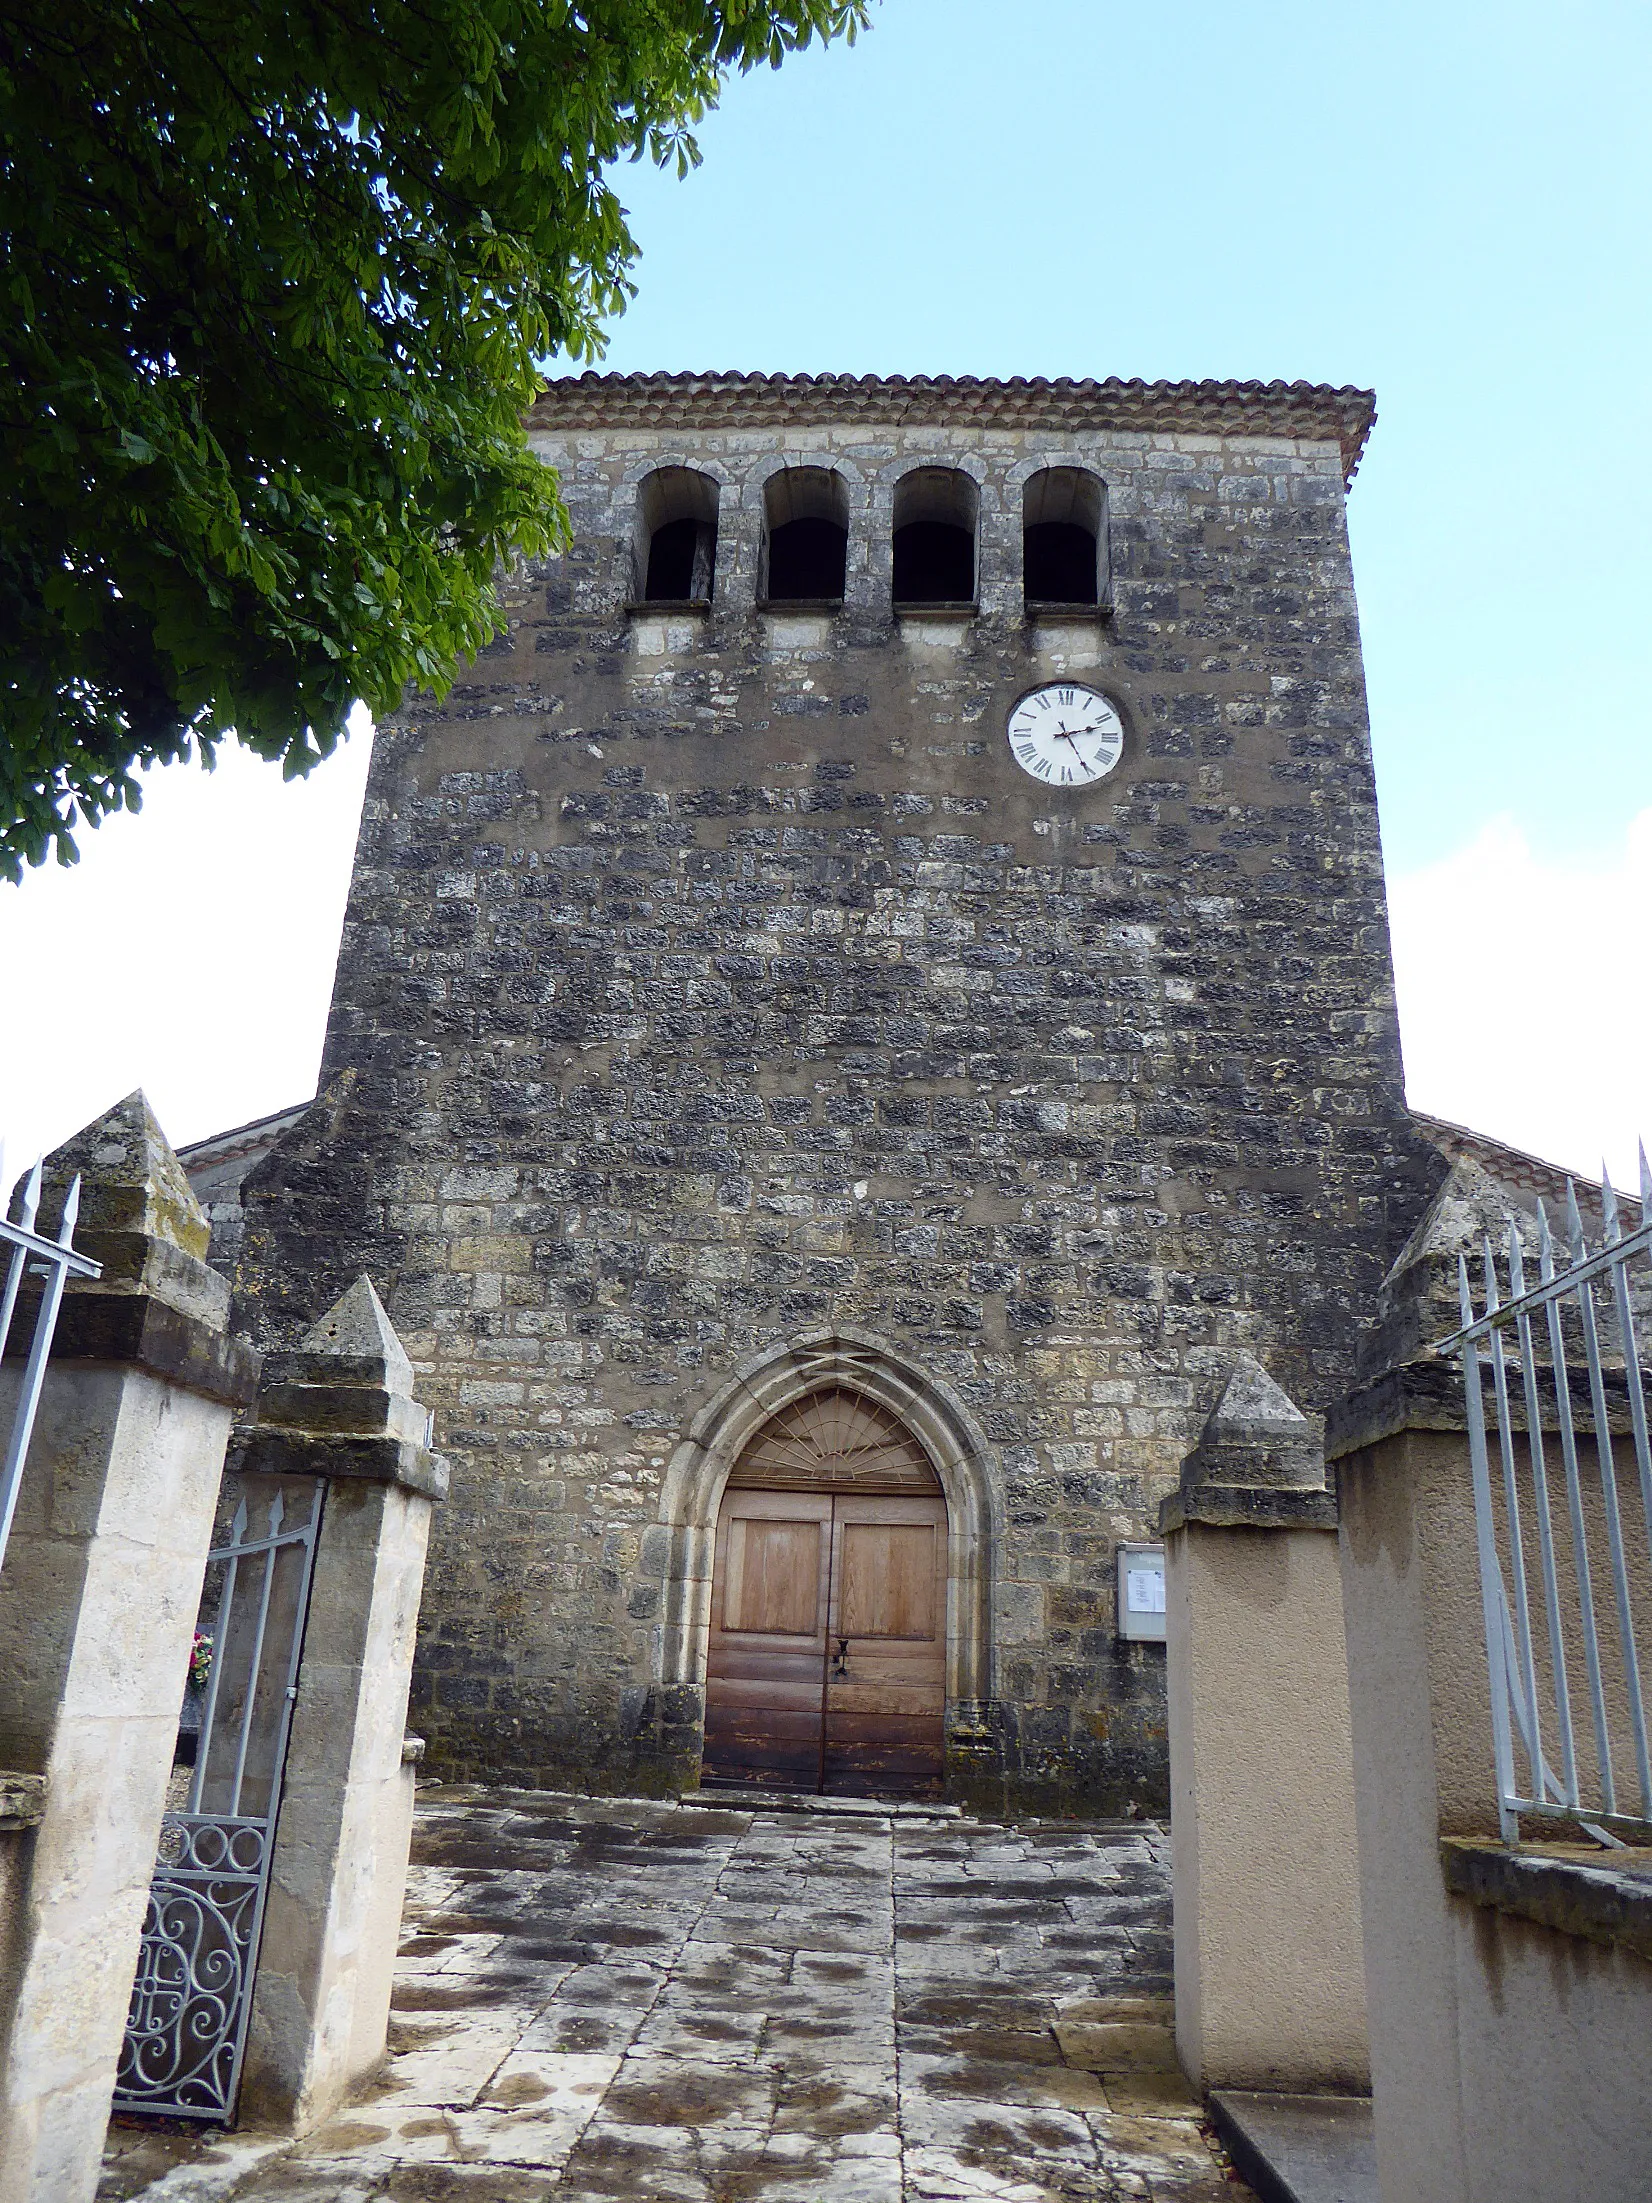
(1306, 410)
(1519, 1173)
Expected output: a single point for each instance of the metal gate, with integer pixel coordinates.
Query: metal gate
(187, 2025)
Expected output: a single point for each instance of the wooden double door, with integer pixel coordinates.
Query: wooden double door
(827, 1662)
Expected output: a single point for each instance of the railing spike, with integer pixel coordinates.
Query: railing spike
(1517, 1266)
(1545, 1244)
(278, 1512)
(1490, 1261)
(1608, 1206)
(31, 1196)
(1646, 1186)
(1574, 1224)
(238, 1527)
(1464, 1299)
(71, 1212)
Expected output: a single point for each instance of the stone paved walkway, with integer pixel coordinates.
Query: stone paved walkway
(666, 2004)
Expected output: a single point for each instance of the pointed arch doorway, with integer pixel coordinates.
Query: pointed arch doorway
(826, 1660)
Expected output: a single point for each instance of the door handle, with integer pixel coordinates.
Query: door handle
(840, 1666)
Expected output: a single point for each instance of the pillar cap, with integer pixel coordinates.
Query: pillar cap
(340, 1403)
(1417, 1302)
(358, 1329)
(1260, 1461)
(157, 1305)
(1257, 1435)
(348, 1372)
(138, 1214)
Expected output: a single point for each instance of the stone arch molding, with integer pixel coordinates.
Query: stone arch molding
(768, 1381)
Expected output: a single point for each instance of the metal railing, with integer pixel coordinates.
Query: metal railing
(54, 1261)
(1604, 1779)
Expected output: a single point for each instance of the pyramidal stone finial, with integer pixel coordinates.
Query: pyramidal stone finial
(348, 1376)
(130, 1180)
(1252, 1404)
(1418, 1302)
(138, 1213)
(358, 1329)
(1468, 1207)
(1257, 1436)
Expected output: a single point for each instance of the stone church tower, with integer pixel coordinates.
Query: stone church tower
(852, 1016)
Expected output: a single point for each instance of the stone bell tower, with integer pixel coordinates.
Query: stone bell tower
(854, 1015)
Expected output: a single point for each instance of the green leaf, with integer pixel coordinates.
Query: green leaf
(295, 273)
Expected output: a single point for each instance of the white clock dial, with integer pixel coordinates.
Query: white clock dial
(1066, 735)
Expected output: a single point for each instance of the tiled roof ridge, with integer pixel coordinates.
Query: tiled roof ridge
(1515, 1165)
(693, 399)
(225, 1146)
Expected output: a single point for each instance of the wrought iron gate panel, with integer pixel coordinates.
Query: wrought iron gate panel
(187, 2026)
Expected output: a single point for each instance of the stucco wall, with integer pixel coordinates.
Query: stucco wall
(1510, 2060)
(1270, 1975)
(1554, 2073)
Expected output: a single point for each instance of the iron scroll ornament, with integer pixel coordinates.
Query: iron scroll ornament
(194, 1968)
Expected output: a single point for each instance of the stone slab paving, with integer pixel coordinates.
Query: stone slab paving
(604, 1999)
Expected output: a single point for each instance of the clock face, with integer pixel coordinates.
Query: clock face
(1066, 735)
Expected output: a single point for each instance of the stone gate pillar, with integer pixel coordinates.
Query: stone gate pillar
(98, 1598)
(340, 1407)
(1270, 1980)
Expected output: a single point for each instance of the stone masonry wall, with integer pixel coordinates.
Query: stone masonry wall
(711, 979)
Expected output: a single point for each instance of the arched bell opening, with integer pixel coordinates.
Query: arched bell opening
(675, 546)
(1064, 539)
(805, 536)
(935, 518)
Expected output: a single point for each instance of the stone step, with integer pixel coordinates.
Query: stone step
(807, 1801)
(1299, 2149)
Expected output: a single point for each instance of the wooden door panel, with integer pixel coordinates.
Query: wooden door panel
(767, 1650)
(870, 1758)
(888, 1580)
(796, 1573)
(750, 1742)
(885, 1699)
(754, 1664)
(865, 1697)
(773, 1580)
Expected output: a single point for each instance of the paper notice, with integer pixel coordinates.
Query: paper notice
(1144, 1590)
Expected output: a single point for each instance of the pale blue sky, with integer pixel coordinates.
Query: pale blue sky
(1450, 204)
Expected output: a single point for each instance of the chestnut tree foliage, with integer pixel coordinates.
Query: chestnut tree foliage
(279, 279)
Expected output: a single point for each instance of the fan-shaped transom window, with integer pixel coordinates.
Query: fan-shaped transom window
(834, 1439)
